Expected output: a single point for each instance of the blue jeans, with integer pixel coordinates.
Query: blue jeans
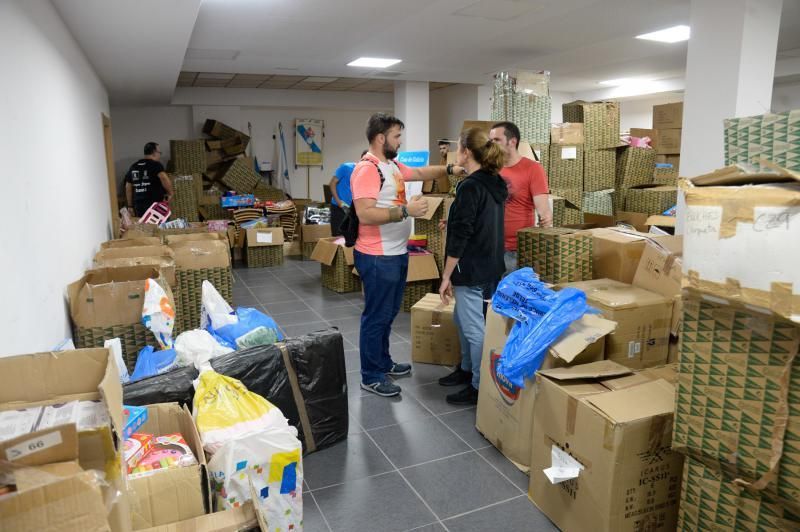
(470, 318)
(384, 279)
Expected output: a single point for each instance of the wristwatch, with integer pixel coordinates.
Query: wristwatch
(405, 211)
(450, 169)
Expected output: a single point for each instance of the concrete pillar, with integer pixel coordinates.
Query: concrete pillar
(412, 106)
(484, 102)
(730, 68)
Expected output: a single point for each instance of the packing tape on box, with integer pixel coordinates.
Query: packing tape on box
(436, 315)
(659, 426)
(608, 435)
(308, 436)
(572, 412)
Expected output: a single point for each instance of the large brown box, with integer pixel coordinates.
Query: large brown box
(264, 247)
(310, 234)
(505, 411)
(616, 252)
(614, 428)
(668, 116)
(659, 271)
(600, 121)
(643, 318)
(177, 493)
(669, 141)
(428, 225)
(434, 335)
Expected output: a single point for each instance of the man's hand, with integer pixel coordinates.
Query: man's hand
(459, 170)
(417, 206)
(446, 290)
(442, 225)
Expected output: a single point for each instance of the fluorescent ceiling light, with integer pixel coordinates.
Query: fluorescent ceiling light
(669, 35)
(623, 81)
(373, 62)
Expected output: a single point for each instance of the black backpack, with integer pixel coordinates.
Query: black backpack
(349, 226)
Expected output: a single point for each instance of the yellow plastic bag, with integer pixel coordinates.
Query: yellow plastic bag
(226, 410)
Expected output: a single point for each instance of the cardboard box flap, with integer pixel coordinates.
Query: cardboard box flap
(46, 378)
(616, 295)
(264, 236)
(133, 252)
(746, 174)
(74, 504)
(193, 237)
(325, 250)
(233, 520)
(132, 242)
(653, 186)
(200, 254)
(593, 370)
(421, 268)
(56, 444)
(579, 335)
(28, 478)
(433, 201)
(653, 398)
(661, 221)
(432, 302)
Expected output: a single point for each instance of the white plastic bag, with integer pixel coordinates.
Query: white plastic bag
(158, 314)
(116, 349)
(215, 309)
(197, 347)
(271, 462)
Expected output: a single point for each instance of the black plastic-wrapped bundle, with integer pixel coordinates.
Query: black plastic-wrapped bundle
(318, 401)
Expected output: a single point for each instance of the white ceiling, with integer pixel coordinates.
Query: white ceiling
(457, 41)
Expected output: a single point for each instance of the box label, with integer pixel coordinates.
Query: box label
(34, 445)
(634, 348)
(264, 238)
(569, 152)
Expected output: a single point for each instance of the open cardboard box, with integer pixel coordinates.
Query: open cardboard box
(326, 249)
(131, 242)
(50, 378)
(505, 411)
(151, 255)
(234, 520)
(615, 427)
(264, 236)
(173, 494)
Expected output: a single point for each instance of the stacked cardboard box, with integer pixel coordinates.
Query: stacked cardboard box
(524, 99)
(773, 137)
(737, 415)
(668, 121)
(599, 202)
(428, 225)
(601, 458)
(601, 136)
(556, 254)
(635, 166)
(566, 160)
(650, 199)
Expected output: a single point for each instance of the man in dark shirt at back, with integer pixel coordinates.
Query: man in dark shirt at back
(146, 181)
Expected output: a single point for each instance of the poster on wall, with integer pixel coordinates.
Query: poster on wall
(308, 142)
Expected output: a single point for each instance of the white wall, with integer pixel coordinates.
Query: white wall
(55, 181)
(133, 127)
(449, 107)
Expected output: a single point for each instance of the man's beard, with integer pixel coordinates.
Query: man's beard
(389, 153)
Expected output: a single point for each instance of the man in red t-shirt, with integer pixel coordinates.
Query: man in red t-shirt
(527, 189)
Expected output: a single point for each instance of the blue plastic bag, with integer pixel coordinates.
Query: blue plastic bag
(253, 328)
(151, 362)
(542, 315)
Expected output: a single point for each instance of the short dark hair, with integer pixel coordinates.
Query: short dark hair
(150, 148)
(511, 130)
(444, 142)
(380, 123)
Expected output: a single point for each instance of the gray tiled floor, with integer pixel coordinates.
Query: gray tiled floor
(409, 463)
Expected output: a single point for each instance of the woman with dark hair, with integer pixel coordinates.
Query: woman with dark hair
(474, 250)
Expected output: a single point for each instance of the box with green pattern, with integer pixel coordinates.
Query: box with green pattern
(738, 395)
(772, 136)
(599, 169)
(713, 501)
(566, 167)
(557, 254)
(600, 122)
(599, 202)
(650, 199)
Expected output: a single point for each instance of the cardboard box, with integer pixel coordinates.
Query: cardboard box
(651, 199)
(737, 405)
(618, 438)
(264, 247)
(234, 520)
(293, 249)
(669, 141)
(659, 271)
(770, 136)
(157, 255)
(505, 411)
(422, 272)
(566, 134)
(312, 233)
(740, 241)
(643, 321)
(616, 252)
(50, 378)
(172, 494)
(557, 254)
(434, 335)
(337, 265)
(600, 121)
(712, 501)
(132, 242)
(668, 116)
(428, 225)
(264, 236)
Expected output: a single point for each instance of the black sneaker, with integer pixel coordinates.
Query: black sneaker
(467, 396)
(384, 389)
(398, 370)
(458, 377)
